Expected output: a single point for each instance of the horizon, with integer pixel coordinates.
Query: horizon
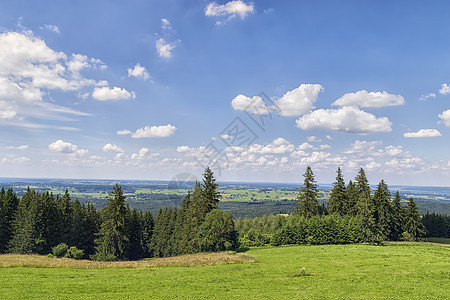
(258, 90)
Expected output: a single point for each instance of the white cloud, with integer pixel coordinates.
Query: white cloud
(445, 117)
(150, 131)
(305, 146)
(427, 96)
(53, 28)
(68, 148)
(363, 147)
(298, 101)
(116, 93)
(324, 147)
(423, 133)
(329, 137)
(278, 146)
(139, 72)
(112, 148)
(164, 48)
(313, 139)
(347, 119)
(445, 89)
(183, 149)
(231, 9)
(165, 24)
(369, 99)
(124, 132)
(254, 105)
(21, 147)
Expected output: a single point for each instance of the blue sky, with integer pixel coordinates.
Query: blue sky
(152, 89)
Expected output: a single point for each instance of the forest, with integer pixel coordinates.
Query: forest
(46, 224)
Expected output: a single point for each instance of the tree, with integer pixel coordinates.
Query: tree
(134, 249)
(8, 208)
(338, 202)
(308, 204)
(382, 209)
(112, 242)
(210, 192)
(397, 218)
(413, 226)
(148, 224)
(217, 232)
(352, 196)
(364, 209)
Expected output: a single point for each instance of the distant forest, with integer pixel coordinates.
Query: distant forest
(59, 226)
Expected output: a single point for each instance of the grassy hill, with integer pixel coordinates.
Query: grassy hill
(409, 271)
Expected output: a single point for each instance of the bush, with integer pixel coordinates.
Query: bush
(50, 255)
(217, 232)
(75, 253)
(60, 250)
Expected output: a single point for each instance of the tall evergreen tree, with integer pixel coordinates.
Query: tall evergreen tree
(338, 201)
(134, 249)
(8, 208)
(413, 225)
(382, 210)
(364, 209)
(194, 216)
(112, 242)
(210, 192)
(397, 218)
(352, 196)
(148, 224)
(308, 203)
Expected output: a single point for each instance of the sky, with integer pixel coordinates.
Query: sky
(258, 91)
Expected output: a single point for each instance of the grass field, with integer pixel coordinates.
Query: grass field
(407, 271)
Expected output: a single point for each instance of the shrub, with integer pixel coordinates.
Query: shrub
(60, 250)
(75, 253)
(50, 255)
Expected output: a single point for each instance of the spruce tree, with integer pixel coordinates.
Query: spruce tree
(414, 227)
(148, 224)
(397, 218)
(111, 244)
(338, 201)
(352, 196)
(194, 216)
(382, 210)
(364, 209)
(210, 192)
(8, 208)
(308, 203)
(134, 234)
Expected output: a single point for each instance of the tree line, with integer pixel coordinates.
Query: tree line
(42, 223)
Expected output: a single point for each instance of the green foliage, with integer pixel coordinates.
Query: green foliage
(308, 204)
(75, 253)
(217, 232)
(113, 239)
(60, 250)
(436, 225)
(338, 201)
(413, 225)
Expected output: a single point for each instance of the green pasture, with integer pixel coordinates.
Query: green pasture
(396, 271)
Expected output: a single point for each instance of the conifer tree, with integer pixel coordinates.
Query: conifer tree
(148, 224)
(8, 208)
(364, 209)
(338, 201)
(308, 203)
(134, 249)
(210, 192)
(413, 225)
(112, 242)
(381, 204)
(397, 218)
(194, 216)
(352, 196)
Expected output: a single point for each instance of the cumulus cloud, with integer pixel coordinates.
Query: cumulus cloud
(112, 148)
(254, 105)
(445, 117)
(422, 133)
(66, 147)
(30, 70)
(298, 101)
(230, 10)
(347, 119)
(305, 146)
(150, 131)
(139, 72)
(363, 147)
(277, 146)
(445, 89)
(165, 48)
(116, 93)
(21, 147)
(369, 99)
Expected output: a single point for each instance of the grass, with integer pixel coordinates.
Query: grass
(438, 240)
(407, 271)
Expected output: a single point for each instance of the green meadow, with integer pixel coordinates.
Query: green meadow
(398, 270)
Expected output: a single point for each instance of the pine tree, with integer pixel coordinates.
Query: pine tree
(8, 208)
(381, 204)
(134, 249)
(414, 227)
(397, 218)
(364, 209)
(210, 192)
(352, 196)
(194, 216)
(112, 242)
(308, 204)
(338, 201)
(148, 224)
